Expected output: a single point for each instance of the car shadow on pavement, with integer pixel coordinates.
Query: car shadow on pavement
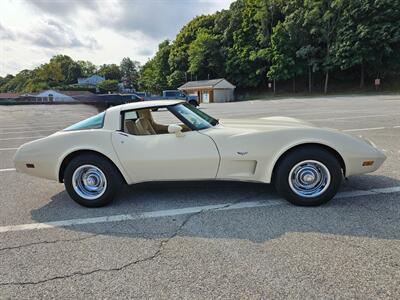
(375, 216)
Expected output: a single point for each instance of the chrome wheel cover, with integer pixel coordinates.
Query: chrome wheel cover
(89, 182)
(309, 178)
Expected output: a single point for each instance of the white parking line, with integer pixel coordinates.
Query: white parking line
(7, 170)
(23, 137)
(181, 211)
(60, 124)
(355, 117)
(8, 149)
(363, 129)
(42, 130)
(4, 130)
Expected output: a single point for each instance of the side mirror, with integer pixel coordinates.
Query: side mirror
(175, 128)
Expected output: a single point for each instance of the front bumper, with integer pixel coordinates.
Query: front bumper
(356, 165)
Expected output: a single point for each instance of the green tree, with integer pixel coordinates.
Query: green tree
(369, 37)
(177, 78)
(88, 68)
(110, 72)
(291, 52)
(50, 73)
(205, 57)
(322, 19)
(307, 53)
(284, 62)
(247, 41)
(70, 69)
(178, 59)
(154, 74)
(147, 81)
(130, 72)
(34, 86)
(108, 85)
(16, 83)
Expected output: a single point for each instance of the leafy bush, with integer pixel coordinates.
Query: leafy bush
(108, 86)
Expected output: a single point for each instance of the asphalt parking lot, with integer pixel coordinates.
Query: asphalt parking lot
(204, 239)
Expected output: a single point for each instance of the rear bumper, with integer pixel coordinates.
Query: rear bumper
(34, 165)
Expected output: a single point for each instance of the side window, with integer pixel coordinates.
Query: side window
(130, 118)
(95, 122)
(147, 122)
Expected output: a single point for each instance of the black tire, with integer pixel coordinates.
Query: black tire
(194, 103)
(112, 175)
(321, 156)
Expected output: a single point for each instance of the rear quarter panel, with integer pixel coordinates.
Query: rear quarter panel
(47, 154)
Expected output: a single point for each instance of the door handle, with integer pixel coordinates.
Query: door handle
(124, 134)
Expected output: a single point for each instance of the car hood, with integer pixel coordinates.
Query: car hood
(268, 123)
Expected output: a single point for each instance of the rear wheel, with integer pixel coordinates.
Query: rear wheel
(308, 176)
(194, 103)
(91, 180)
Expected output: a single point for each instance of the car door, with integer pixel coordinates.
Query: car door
(166, 156)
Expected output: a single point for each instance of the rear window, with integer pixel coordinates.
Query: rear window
(94, 122)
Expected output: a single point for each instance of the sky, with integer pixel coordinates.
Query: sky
(101, 31)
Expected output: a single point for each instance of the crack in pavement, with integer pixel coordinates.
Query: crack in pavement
(79, 273)
(156, 254)
(48, 242)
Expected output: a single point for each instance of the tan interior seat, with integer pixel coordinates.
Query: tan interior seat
(144, 127)
(130, 127)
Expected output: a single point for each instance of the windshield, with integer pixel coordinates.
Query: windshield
(94, 122)
(193, 116)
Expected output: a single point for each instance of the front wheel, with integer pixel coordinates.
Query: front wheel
(91, 180)
(308, 176)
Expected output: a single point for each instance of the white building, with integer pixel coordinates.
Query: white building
(208, 91)
(53, 96)
(90, 81)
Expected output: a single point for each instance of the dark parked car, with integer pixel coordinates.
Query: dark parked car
(110, 99)
(176, 94)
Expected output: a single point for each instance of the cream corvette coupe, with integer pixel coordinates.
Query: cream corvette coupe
(132, 143)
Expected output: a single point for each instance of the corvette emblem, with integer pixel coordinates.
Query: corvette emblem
(242, 153)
